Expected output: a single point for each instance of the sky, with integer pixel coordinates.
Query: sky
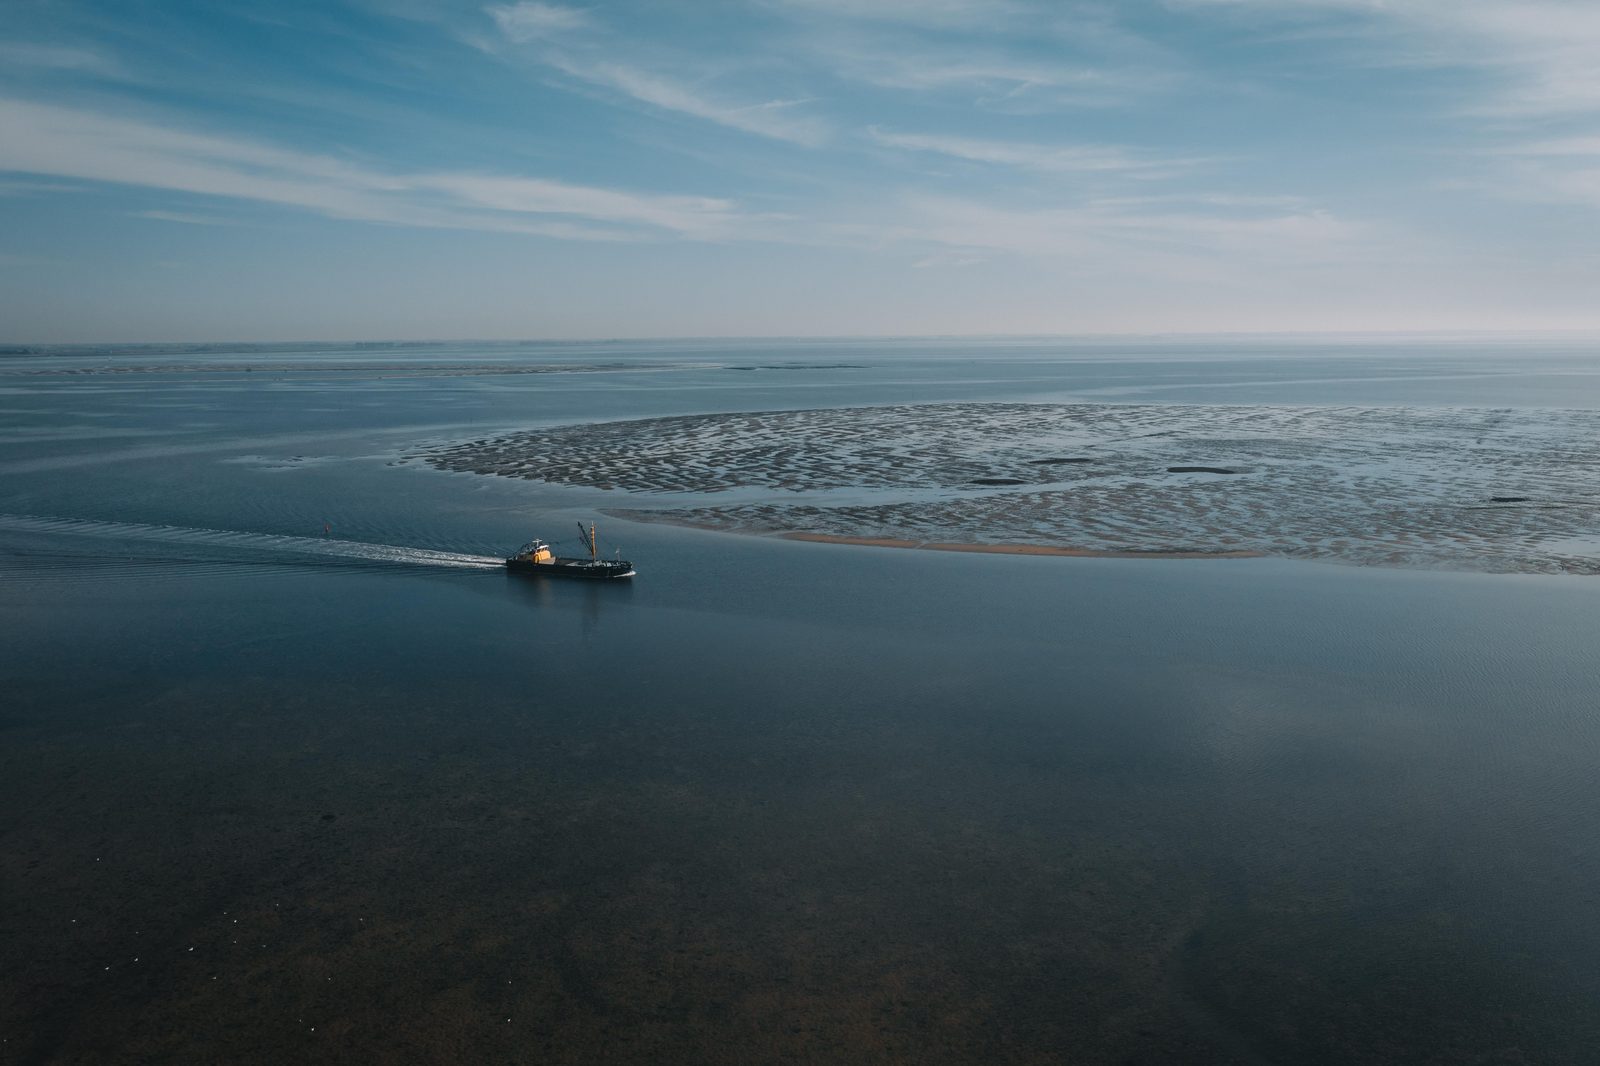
(404, 169)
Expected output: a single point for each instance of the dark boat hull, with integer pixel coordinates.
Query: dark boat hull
(581, 569)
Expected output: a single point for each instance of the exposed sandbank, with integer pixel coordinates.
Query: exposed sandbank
(1017, 549)
(1383, 486)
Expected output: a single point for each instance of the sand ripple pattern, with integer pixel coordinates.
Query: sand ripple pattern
(1506, 490)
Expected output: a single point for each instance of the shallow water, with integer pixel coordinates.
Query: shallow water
(272, 795)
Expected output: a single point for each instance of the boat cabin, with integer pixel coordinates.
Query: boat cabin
(536, 552)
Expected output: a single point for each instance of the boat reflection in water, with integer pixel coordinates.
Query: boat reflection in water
(537, 557)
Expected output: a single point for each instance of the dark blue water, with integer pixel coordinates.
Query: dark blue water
(270, 796)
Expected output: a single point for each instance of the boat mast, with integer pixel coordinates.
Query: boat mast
(588, 536)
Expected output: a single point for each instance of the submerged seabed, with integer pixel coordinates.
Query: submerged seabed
(1500, 490)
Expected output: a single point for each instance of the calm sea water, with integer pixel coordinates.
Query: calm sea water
(275, 796)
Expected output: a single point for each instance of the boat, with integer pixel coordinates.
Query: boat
(537, 557)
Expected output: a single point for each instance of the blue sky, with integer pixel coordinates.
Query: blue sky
(407, 169)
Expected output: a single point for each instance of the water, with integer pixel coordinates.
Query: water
(272, 795)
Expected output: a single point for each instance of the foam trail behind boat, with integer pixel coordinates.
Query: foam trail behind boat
(240, 540)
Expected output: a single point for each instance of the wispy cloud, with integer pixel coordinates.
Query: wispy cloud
(985, 13)
(1014, 56)
(532, 21)
(9, 187)
(697, 216)
(1041, 157)
(1536, 67)
(183, 217)
(1110, 233)
(1564, 185)
(949, 261)
(56, 57)
(990, 76)
(68, 143)
(570, 41)
(1560, 146)
(1564, 170)
(771, 118)
(1540, 52)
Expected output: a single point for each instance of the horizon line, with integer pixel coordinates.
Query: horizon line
(26, 347)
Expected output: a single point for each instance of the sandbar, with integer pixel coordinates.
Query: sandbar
(1020, 549)
(1399, 486)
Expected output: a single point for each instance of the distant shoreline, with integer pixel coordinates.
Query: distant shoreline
(1016, 549)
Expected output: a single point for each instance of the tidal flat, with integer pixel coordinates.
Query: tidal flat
(1497, 490)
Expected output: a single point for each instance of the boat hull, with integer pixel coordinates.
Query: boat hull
(580, 569)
